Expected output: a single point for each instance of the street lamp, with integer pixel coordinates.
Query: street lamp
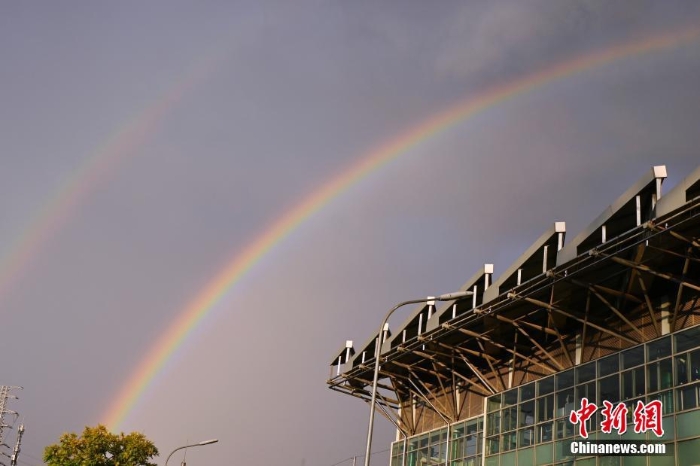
(377, 352)
(203, 442)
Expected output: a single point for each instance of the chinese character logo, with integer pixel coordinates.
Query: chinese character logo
(645, 417)
(648, 417)
(582, 415)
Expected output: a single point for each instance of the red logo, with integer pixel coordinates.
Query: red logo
(645, 417)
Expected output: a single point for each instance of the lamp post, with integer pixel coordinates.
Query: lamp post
(377, 352)
(203, 442)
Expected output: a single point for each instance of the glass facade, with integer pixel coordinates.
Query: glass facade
(465, 442)
(529, 425)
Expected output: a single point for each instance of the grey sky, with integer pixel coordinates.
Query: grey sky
(300, 91)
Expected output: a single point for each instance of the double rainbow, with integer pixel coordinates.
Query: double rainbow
(214, 292)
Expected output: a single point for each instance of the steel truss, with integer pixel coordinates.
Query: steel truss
(631, 289)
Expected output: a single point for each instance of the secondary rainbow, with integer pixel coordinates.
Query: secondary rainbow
(90, 173)
(188, 319)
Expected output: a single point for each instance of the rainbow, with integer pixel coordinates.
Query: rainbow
(93, 170)
(214, 292)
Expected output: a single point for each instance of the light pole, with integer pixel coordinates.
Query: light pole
(377, 352)
(203, 442)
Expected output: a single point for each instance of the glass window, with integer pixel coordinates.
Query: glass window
(633, 357)
(687, 339)
(493, 403)
(608, 365)
(688, 451)
(457, 447)
(526, 437)
(544, 454)
(493, 423)
(509, 418)
(634, 461)
(694, 369)
(545, 386)
(659, 348)
(585, 390)
(510, 397)
(509, 441)
(633, 383)
(688, 424)
(565, 402)
(564, 379)
(492, 445)
(565, 428)
(666, 399)
(681, 365)
(585, 373)
(526, 457)
(687, 397)
(545, 408)
(562, 450)
(473, 445)
(527, 392)
(423, 441)
(508, 459)
(659, 375)
(544, 432)
(458, 430)
(609, 389)
(526, 416)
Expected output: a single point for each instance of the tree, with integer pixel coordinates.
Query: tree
(99, 447)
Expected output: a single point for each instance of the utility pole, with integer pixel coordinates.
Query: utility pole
(15, 452)
(5, 395)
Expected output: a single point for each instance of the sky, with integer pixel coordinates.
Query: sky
(145, 146)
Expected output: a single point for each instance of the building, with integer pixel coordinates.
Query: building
(612, 316)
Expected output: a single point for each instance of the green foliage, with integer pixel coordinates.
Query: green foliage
(99, 447)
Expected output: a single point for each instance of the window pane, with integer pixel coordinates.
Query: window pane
(493, 422)
(545, 386)
(510, 397)
(688, 424)
(526, 437)
(565, 428)
(688, 452)
(659, 349)
(545, 408)
(564, 379)
(586, 390)
(565, 402)
(609, 389)
(509, 441)
(494, 403)
(608, 365)
(687, 339)
(681, 366)
(527, 392)
(526, 416)
(694, 373)
(633, 357)
(686, 397)
(633, 383)
(585, 373)
(544, 432)
(544, 454)
(492, 445)
(509, 420)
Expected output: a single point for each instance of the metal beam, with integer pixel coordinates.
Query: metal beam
(537, 302)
